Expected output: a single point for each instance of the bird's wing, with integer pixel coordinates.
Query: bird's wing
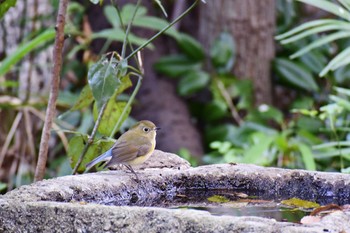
(124, 151)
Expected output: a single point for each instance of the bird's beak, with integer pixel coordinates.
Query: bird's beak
(156, 128)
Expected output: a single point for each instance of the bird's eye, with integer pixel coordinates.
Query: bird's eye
(145, 129)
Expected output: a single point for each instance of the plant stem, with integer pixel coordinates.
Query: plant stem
(91, 138)
(161, 31)
(131, 99)
(55, 80)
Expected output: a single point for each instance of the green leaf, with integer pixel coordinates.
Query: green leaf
(257, 153)
(76, 146)
(5, 6)
(295, 74)
(24, 49)
(223, 53)
(112, 15)
(175, 65)
(191, 47)
(84, 100)
(314, 60)
(329, 7)
(320, 42)
(111, 115)
(340, 101)
(305, 26)
(307, 157)
(323, 28)
(103, 80)
(193, 82)
(155, 24)
(118, 34)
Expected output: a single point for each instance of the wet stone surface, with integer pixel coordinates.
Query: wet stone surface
(79, 198)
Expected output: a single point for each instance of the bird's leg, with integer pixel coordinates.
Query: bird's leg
(132, 170)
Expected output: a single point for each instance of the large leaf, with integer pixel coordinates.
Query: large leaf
(176, 65)
(103, 80)
(111, 115)
(84, 100)
(191, 47)
(76, 147)
(24, 49)
(258, 153)
(223, 53)
(192, 82)
(295, 74)
(307, 156)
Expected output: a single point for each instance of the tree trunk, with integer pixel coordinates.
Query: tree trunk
(252, 24)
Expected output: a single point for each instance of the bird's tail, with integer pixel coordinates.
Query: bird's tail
(104, 157)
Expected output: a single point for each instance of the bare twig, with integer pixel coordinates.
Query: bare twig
(90, 139)
(55, 127)
(55, 79)
(10, 136)
(229, 102)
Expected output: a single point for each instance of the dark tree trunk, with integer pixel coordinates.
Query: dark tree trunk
(252, 24)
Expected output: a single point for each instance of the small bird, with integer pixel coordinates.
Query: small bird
(132, 148)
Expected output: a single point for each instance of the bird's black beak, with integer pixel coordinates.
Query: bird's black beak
(156, 128)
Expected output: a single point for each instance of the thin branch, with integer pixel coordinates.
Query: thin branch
(10, 136)
(163, 30)
(131, 99)
(229, 103)
(55, 80)
(91, 138)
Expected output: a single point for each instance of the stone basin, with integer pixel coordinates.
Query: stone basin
(114, 201)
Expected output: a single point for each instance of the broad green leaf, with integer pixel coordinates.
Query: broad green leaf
(24, 49)
(320, 42)
(223, 53)
(155, 24)
(175, 65)
(128, 11)
(295, 74)
(329, 7)
(76, 147)
(84, 100)
(5, 6)
(314, 60)
(193, 82)
(103, 80)
(192, 48)
(111, 115)
(307, 157)
(118, 34)
(258, 152)
(112, 16)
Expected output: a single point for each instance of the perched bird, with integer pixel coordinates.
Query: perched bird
(132, 148)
